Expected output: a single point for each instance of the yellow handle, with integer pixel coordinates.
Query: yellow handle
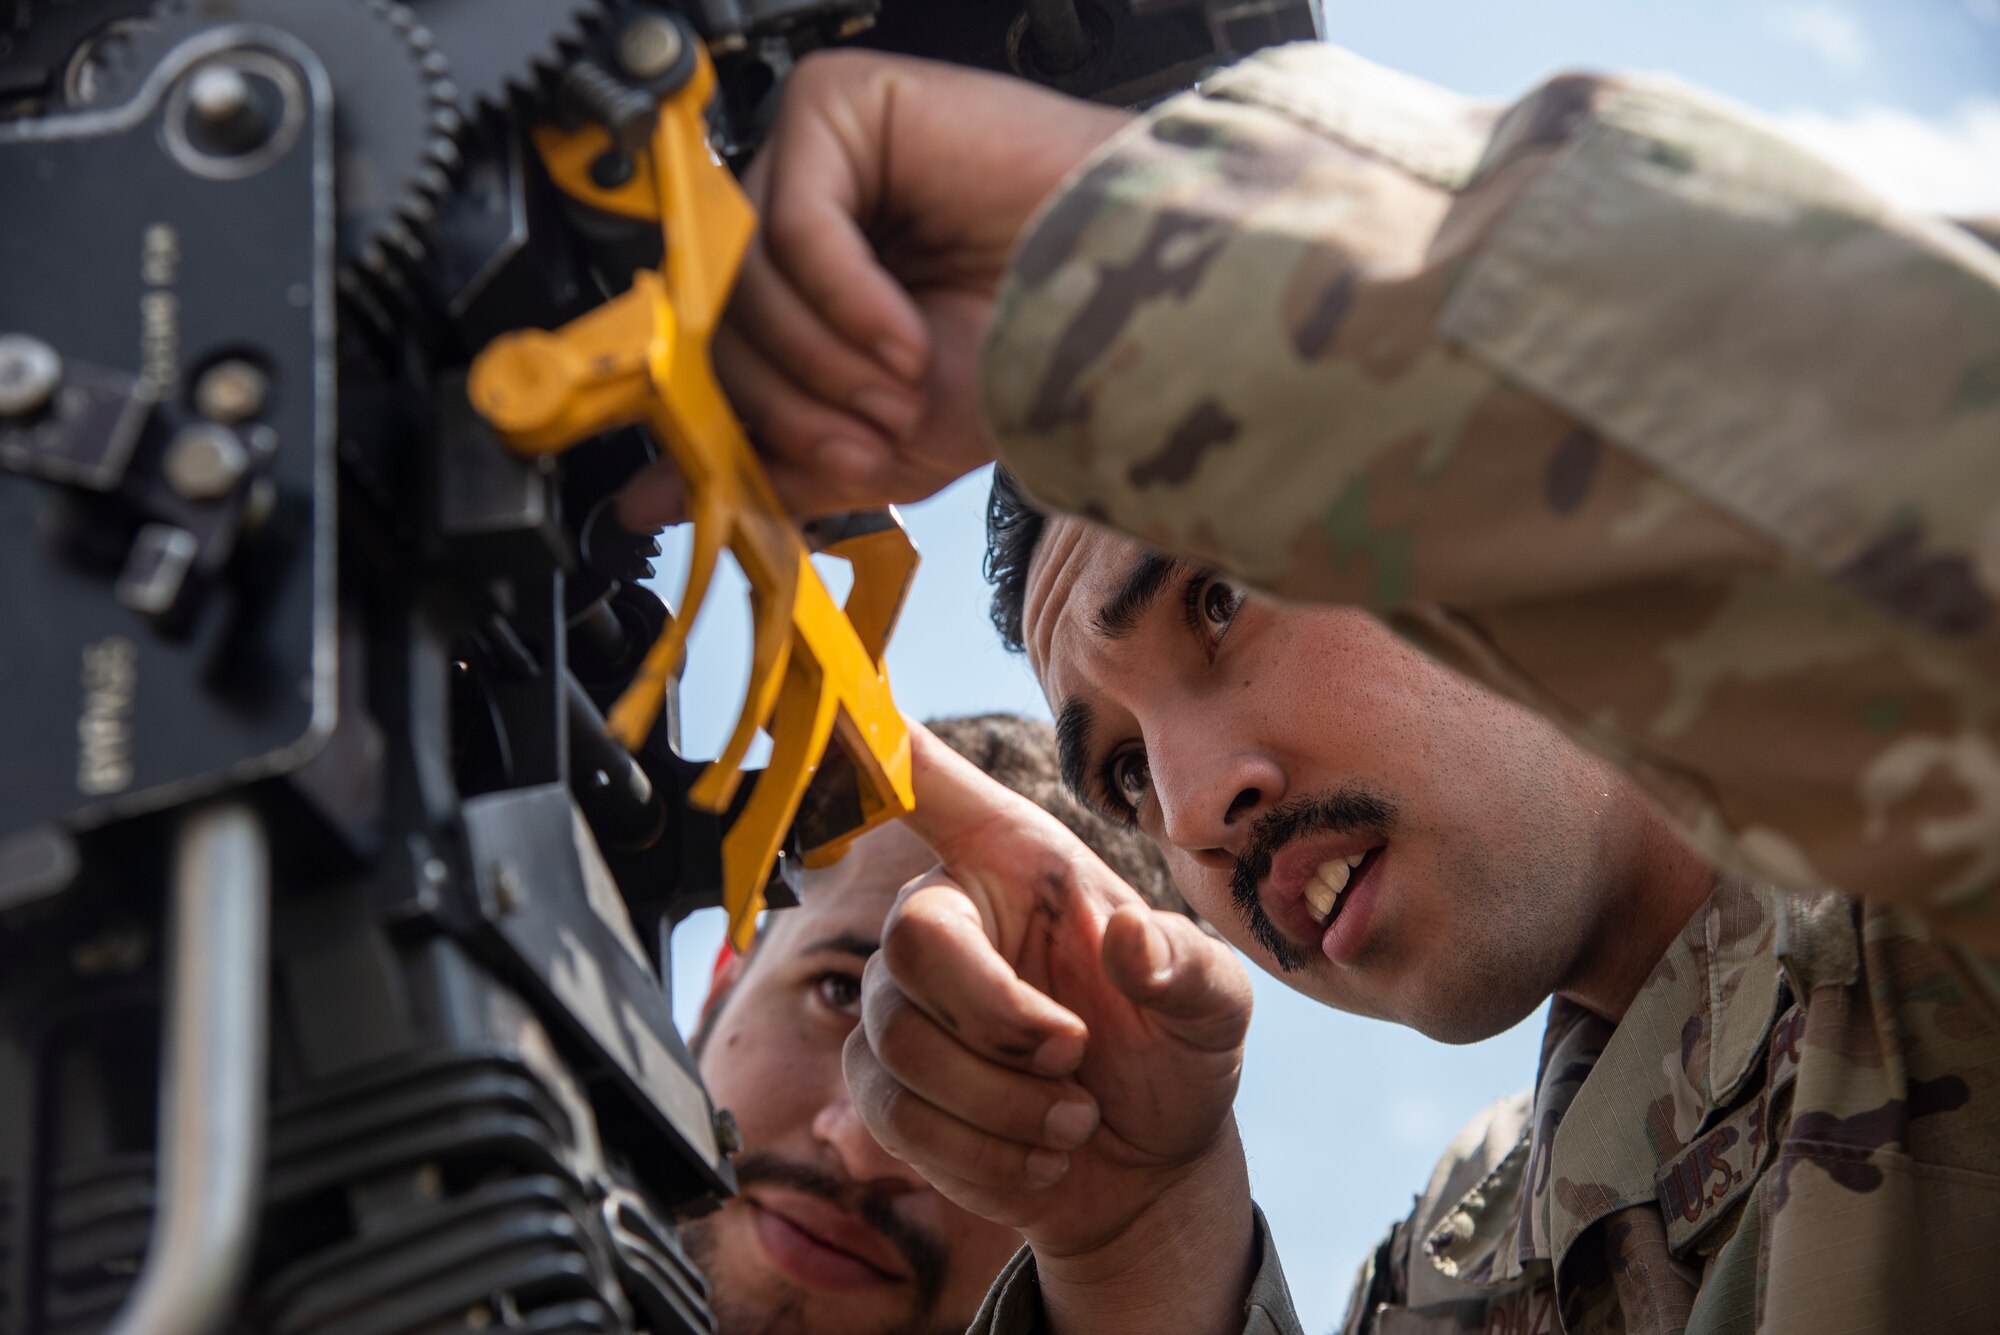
(817, 671)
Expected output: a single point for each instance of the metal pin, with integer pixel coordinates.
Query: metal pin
(30, 370)
(205, 461)
(218, 93)
(231, 391)
(649, 46)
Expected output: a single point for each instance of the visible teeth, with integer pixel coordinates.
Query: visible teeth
(1355, 859)
(1324, 889)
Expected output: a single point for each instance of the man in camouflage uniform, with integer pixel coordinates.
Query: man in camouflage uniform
(1613, 401)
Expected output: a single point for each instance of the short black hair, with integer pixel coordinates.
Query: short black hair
(1013, 531)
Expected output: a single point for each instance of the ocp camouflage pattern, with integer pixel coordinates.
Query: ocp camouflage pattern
(1636, 412)
(1616, 400)
(1792, 1129)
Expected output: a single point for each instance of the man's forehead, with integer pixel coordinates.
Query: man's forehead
(1077, 568)
(852, 896)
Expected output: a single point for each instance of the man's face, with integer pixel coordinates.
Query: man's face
(1382, 835)
(830, 1235)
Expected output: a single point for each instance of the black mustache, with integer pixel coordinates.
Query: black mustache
(923, 1250)
(1346, 810)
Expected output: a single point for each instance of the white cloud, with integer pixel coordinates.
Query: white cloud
(1949, 165)
(1831, 34)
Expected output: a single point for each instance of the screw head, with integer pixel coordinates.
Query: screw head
(218, 93)
(231, 391)
(30, 371)
(649, 46)
(229, 112)
(205, 461)
(611, 169)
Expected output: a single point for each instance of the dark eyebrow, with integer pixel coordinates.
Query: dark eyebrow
(1141, 585)
(1073, 726)
(844, 943)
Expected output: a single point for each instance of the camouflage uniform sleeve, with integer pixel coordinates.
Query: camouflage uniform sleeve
(1013, 1305)
(1614, 399)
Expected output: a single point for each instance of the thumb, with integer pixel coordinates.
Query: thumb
(1190, 983)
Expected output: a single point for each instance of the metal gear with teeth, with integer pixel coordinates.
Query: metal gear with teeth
(397, 114)
(502, 49)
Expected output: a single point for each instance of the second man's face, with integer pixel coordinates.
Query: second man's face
(1384, 836)
(830, 1235)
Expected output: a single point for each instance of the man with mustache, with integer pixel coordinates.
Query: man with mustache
(1615, 402)
(830, 1235)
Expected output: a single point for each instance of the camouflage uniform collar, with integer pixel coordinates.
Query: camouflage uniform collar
(1693, 1036)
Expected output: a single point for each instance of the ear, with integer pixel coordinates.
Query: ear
(729, 966)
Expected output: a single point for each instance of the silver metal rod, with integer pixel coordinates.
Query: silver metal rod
(211, 1156)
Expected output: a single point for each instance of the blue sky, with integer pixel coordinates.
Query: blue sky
(1344, 1117)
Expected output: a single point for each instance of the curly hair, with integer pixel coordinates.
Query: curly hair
(1021, 754)
(1013, 531)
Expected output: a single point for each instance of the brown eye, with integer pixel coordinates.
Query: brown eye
(1220, 603)
(1131, 777)
(839, 992)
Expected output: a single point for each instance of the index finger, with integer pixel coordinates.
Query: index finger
(956, 800)
(1005, 852)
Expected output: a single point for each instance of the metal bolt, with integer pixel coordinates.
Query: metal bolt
(727, 1134)
(205, 461)
(218, 93)
(649, 46)
(509, 895)
(225, 114)
(611, 169)
(231, 391)
(30, 370)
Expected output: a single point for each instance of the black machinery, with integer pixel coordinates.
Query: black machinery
(336, 867)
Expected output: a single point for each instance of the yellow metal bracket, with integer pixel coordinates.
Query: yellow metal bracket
(817, 672)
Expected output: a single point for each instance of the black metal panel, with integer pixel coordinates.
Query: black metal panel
(555, 904)
(139, 271)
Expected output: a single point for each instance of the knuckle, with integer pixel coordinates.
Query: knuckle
(813, 70)
(789, 419)
(1022, 1119)
(901, 1115)
(788, 229)
(866, 1084)
(832, 67)
(995, 1162)
(901, 1044)
(917, 936)
(878, 989)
